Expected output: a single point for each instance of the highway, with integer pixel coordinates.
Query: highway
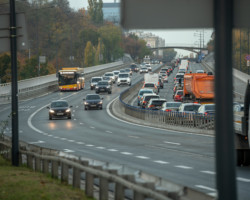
(182, 157)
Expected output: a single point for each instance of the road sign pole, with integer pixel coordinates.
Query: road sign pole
(14, 89)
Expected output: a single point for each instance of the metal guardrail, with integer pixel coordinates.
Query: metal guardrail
(52, 86)
(143, 185)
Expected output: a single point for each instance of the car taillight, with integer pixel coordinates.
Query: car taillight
(144, 102)
(167, 110)
(174, 78)
(206, 113)
(151, 106)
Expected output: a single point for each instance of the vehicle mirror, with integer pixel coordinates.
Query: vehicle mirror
(48, 107)
(71, 106)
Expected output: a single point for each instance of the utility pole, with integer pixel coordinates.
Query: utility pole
(14, 89)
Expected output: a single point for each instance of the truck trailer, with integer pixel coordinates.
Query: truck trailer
(198, 87)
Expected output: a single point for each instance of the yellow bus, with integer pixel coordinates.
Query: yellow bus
(71, 79)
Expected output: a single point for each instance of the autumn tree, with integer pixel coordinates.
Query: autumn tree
(95, 11)
(88, 55)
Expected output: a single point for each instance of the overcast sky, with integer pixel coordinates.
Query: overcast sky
(172, 37)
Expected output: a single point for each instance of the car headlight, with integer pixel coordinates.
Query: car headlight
(96, 87)
(100, 102)
(51, 111)
(68, 110)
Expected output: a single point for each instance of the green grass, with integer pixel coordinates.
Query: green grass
(21, 183)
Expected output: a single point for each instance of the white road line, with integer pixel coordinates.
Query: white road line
(108, 131)
(100, 147)
(142, 157)
(173, 131)
(38, 142)
(81, 123)
(172, 143)
(63, 138)
(112, 150)
(71, 140)
(55, 137)
(132, 136)
(126, 153)
(92, 127)
(208, 172)
(74, 119)
(77, 106)
(160, 162)
(183, 167)
(50, 135)
(89, 145)
(205, 188)
(68, 151)
(212, 194)
(45, 133)
(243, 179)
(80, 142)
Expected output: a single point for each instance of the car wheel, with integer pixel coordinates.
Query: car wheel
(50, 118)
(85, 108)
(109, 92)
(100, 108)
(96, 92)
(69, 117)
(130, 84)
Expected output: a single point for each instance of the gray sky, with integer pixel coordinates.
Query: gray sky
(172, 37)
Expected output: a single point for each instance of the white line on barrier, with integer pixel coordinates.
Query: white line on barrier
(243, 179)
(208, 172)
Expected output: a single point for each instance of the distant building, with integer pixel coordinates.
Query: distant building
(111, 12)
(152, 41)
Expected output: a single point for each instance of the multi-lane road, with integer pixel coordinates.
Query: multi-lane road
(181, 157)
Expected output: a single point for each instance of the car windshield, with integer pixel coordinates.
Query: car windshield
(173, 105)
(180, 93)
(191, 107)
(59, 104)
(103, 83)
(210, 107)
(106, 78)
(145, 92)
(147, 98)
(109, 74)
(116, 73)
(157, 102)
(93, 97)
(123, 75)
(179, 76)
(149, 85)
(95, 79)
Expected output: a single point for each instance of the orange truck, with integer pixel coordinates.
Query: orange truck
(198, 86)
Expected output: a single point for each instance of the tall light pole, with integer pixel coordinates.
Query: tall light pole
(14, 89)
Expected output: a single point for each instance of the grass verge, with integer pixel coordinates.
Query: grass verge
(21, 183)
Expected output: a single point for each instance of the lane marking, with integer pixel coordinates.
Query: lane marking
(80, 143)
(55, 137)
(160, 162)
(183, 167)
(71, 140)
(142, 157)
(50, 135)
(243, 179)
(38, 142)
(100, 147)
(126, 153)
(81, 123)
(68, 151)
(92, 127)
(63, 138)
(175, 143)
(108, 131)
(89, 145)
(132, 136)
(113, 150)
(205, 188)
(161, 129)
(208, 172)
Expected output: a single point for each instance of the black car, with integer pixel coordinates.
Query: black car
(103, 86)
(134, 68)
(93, 101)
(59, 109)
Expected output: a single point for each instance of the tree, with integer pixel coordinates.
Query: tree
(95, 11)
(88, 55)
(5, 68)
(169, 54)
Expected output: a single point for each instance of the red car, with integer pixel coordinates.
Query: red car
(178, 95)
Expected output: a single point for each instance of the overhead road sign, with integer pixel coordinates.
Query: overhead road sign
(169, 14)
